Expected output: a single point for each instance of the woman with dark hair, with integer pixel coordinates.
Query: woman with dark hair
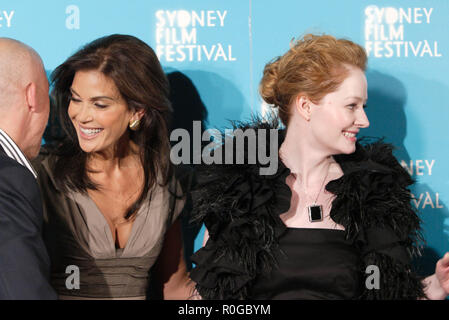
(111, 200)
(335, 221)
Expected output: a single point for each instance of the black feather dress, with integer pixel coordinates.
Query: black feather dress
(251, 254)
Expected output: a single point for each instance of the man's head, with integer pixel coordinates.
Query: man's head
(24, 100)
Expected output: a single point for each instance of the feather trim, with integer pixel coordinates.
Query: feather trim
(240, 209)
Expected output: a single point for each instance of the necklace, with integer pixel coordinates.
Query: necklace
(316, 210)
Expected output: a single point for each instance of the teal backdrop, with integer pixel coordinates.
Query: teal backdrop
(215, 52)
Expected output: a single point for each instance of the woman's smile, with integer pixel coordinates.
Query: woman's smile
(89, 133)
(351, 135)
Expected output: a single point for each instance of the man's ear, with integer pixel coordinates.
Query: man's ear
(31, 96)
(302, 105)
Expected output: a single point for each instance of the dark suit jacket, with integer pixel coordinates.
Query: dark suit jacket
(24, 262)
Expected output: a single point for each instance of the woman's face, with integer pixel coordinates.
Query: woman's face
(338, 117)
(98, 112)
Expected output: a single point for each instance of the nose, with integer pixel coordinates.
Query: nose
(84, 113)
(362, 119)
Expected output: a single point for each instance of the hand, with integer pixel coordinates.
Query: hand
(442, 273)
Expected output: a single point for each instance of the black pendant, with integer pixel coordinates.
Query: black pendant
(315, 213)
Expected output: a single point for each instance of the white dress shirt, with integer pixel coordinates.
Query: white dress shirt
(14, 152)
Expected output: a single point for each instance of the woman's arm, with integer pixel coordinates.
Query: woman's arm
(170, 271)
(206, 237)
(437, 285)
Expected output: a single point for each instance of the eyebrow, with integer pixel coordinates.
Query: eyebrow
(357, 98)
(93, 98)
(354, 97)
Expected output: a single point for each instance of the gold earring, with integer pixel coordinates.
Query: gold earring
(134, 125)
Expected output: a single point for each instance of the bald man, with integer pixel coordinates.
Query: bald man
(24, 109)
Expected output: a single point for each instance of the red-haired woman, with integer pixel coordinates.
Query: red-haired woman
(335, 213)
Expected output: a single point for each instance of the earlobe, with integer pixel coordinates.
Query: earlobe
(31, 95)
(134, 122)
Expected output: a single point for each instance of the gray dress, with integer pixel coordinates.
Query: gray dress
(78, 237)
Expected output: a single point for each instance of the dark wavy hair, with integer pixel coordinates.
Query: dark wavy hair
(138, 75)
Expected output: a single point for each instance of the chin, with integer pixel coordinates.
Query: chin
(86, 149)
(349, 150)
(345, 149)
(86, 145)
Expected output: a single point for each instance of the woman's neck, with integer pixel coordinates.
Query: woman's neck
(308, 164)
(125, 154)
